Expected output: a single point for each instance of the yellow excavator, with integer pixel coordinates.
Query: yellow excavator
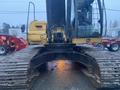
(69, 22)
(37, 35)
(87, 32)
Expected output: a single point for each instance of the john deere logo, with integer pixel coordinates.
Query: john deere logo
(88, 40)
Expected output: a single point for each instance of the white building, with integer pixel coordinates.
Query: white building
(17, 32)
(113, 32)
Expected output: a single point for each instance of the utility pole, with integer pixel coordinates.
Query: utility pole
(30, 3)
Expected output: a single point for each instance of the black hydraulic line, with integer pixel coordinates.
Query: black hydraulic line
(101, 16)
(68, 21)
(105, 18)
(76, 18)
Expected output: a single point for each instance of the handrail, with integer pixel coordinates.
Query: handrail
(30, 3)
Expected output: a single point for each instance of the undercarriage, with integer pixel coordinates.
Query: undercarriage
(22, 67)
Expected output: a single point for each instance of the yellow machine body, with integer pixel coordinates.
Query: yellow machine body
(58, 30)
(86, 40)
(37, 33)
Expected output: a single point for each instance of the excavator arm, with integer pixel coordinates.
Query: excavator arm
(55, 16)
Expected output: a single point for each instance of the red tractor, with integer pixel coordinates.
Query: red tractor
(112, 44)
(10, 44)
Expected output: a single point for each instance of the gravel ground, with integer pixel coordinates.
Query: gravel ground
(62, 75)
(2, 57)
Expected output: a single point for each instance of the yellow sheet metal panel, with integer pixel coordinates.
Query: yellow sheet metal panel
(37, 32)
(86, 40)
(37, 26)
(37, 39)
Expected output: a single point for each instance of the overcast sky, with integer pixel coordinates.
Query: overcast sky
(19, 17)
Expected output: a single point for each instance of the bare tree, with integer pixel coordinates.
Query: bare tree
(115, 24)
(6, 28)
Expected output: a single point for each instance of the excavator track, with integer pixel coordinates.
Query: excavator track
(14, 70)
(109, 64)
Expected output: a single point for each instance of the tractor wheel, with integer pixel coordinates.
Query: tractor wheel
(114, 47)
(3, 50)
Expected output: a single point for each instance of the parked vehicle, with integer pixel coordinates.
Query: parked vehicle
(112, 44)
(10, 44)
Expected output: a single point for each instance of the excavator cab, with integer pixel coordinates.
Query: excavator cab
(87, 22)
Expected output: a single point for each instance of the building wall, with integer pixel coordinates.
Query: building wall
(17, 32)
(114, 32)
